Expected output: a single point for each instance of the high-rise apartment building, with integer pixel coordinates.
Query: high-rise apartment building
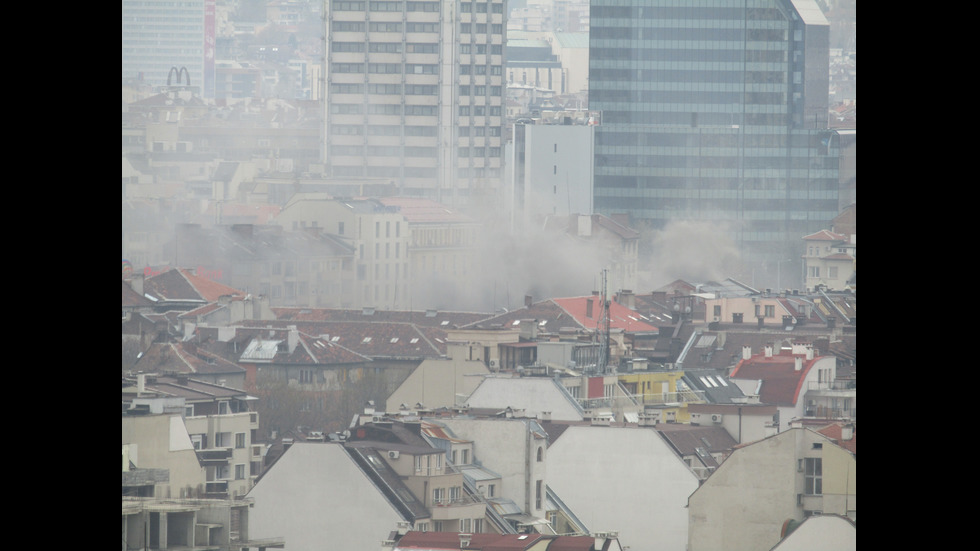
(716, 111)
(415, 94)
(160, 35)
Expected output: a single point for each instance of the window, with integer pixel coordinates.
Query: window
(770, 311)
(240, 472)
(466, 457)
(222, 440)
(491, 488)
(240, 440)
(478, 526)
(418, 463)
(438, 495)
(813, 476)
(540, 454)
(200, 441)
(717, 310)
(537, 494)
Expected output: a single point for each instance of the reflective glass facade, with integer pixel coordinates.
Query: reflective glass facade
(715, 110)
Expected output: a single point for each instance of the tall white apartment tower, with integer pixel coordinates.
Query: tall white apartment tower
(415, 94)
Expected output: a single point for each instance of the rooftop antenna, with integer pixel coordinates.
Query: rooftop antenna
(604, 324)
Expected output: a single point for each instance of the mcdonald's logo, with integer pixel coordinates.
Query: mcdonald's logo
(180, 73)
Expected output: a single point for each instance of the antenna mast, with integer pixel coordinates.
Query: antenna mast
(604, 321)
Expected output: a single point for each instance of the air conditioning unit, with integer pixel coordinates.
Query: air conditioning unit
(377, 419)
(716, 418)
(493, 363)
(393, 454)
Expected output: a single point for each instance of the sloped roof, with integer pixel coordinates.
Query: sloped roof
(535, 395)
(421, 211)
(781, 382)
(833, 431)
(180, 284)
(713, 383)
(373, 340)
(620, 317)
(132, 299)
(191, 390)
(271, 345)
(439, 541)
(434, 318)
(184, 358)
(686, 439)
(825, 235)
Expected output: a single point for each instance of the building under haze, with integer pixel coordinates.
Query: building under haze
(159, 35)
(716, 112)
(415, 94)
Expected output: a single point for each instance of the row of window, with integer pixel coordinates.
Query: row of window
(382, 130)
(360, 5)
(479, 90)
(386, 68)
(479, 151)
(382, 109)
(480, 110)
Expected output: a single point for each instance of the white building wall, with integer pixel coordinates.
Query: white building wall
(315, 497)
(505, 447)
(624, 479)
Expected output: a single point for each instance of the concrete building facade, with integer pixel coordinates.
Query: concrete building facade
(415, 94)
(786, 477)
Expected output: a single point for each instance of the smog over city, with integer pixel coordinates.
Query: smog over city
(486, 274)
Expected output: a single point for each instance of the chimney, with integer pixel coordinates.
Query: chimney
(528, 301)
(588, 307)
(137, 283)
(847, 432)
(746, 352)
(293, 338)
(627, 298)
(809, 351)
(798, 363)
(464, 540)
(224, 300)
(140, 383)
(768, 350)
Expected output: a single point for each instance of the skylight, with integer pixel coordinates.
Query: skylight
(394, 340)
(414, 340)
(366, 340)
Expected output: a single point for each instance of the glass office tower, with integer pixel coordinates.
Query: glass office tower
(716, 111)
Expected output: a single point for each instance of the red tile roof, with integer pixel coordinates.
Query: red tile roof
(181, 284)
(833, 431)
(781, 383)
(620, 317)
(481, 542)
(825, 235)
